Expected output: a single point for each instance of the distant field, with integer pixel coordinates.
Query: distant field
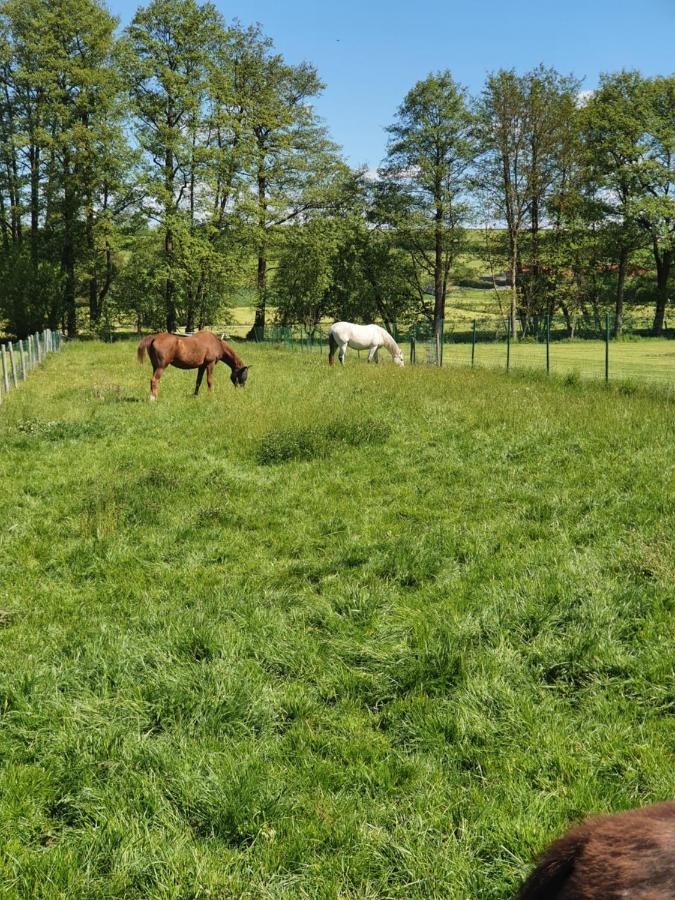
(359, 632)
(650, 360)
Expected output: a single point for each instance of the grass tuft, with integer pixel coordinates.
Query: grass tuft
(316, 441)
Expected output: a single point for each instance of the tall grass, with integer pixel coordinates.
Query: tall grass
(248, 651)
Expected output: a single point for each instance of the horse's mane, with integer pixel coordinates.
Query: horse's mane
(389, 342)
(230, 357)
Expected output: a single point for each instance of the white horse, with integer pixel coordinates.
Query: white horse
(361, 337)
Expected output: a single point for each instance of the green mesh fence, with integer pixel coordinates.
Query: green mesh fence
(583, 345)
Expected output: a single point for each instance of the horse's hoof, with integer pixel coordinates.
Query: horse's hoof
(152, 399)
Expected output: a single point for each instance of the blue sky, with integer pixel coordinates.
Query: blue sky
(370, 53)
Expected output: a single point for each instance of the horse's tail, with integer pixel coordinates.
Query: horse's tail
(332, 345)
(143, 346)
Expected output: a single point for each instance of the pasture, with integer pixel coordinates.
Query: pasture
(650, 360)
(360, 632)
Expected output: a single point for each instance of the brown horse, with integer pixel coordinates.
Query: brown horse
(199, 351)
(630, 854)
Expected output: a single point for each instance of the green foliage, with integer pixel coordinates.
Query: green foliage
(63, 147)
(304, 276)
(399, 670)
(343, 268)
(374, 278)
(527, 173)
(27, 294)
(630, 136)
(203, 134)
(423, 193)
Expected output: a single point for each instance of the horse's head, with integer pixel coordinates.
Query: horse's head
(239, 376)
(398, 358)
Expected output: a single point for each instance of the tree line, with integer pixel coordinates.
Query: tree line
(148, 174)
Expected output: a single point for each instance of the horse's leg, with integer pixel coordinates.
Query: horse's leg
(209, 376)
(154, 381)
(200, 375)
(341, 354)
(372, 354)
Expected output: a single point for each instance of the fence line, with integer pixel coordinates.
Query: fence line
(18, 360)
(551, 344)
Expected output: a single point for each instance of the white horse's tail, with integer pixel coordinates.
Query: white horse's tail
(332, 347)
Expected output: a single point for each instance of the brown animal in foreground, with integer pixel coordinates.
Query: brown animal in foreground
(199, 351)
(628, 855)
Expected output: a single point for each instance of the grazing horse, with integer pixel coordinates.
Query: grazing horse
(198, 351)
(361, 337)
(630, 854)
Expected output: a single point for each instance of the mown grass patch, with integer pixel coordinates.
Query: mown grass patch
(395, 664)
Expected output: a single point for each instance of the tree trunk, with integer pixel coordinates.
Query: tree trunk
(93, 281)
(664, 261)
(3, 222)
(169, 288)
(68, 266)
(34, 156)
(533, 306)
(107, 281)
(258, 330)
(618, 309)
(12, 168)
(192, 304)
(569, 321)
(170, 285)
(439, 286)
(514, 286)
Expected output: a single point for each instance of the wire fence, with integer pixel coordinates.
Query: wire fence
(585, 346)
(21, 357)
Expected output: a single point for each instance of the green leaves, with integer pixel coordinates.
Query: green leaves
(425, 178)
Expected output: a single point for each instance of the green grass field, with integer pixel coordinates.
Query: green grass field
(641, 361)
(360, 632)
(651, 360)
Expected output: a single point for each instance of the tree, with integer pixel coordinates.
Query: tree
(610, 130)
(655, 171)
(165, 56)
(425, 179)
(629, 129)
(502, 129)
(59, 95)
(304, 276)
(526, 126)
(552, 160)
(344, 267)
(294, 168)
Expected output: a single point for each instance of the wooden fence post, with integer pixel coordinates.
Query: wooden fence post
(5, 376)
(12, 363)
(23, 361)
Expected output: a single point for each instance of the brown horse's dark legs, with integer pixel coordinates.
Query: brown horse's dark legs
(154, 381)
(209, 376)
(200, 375)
